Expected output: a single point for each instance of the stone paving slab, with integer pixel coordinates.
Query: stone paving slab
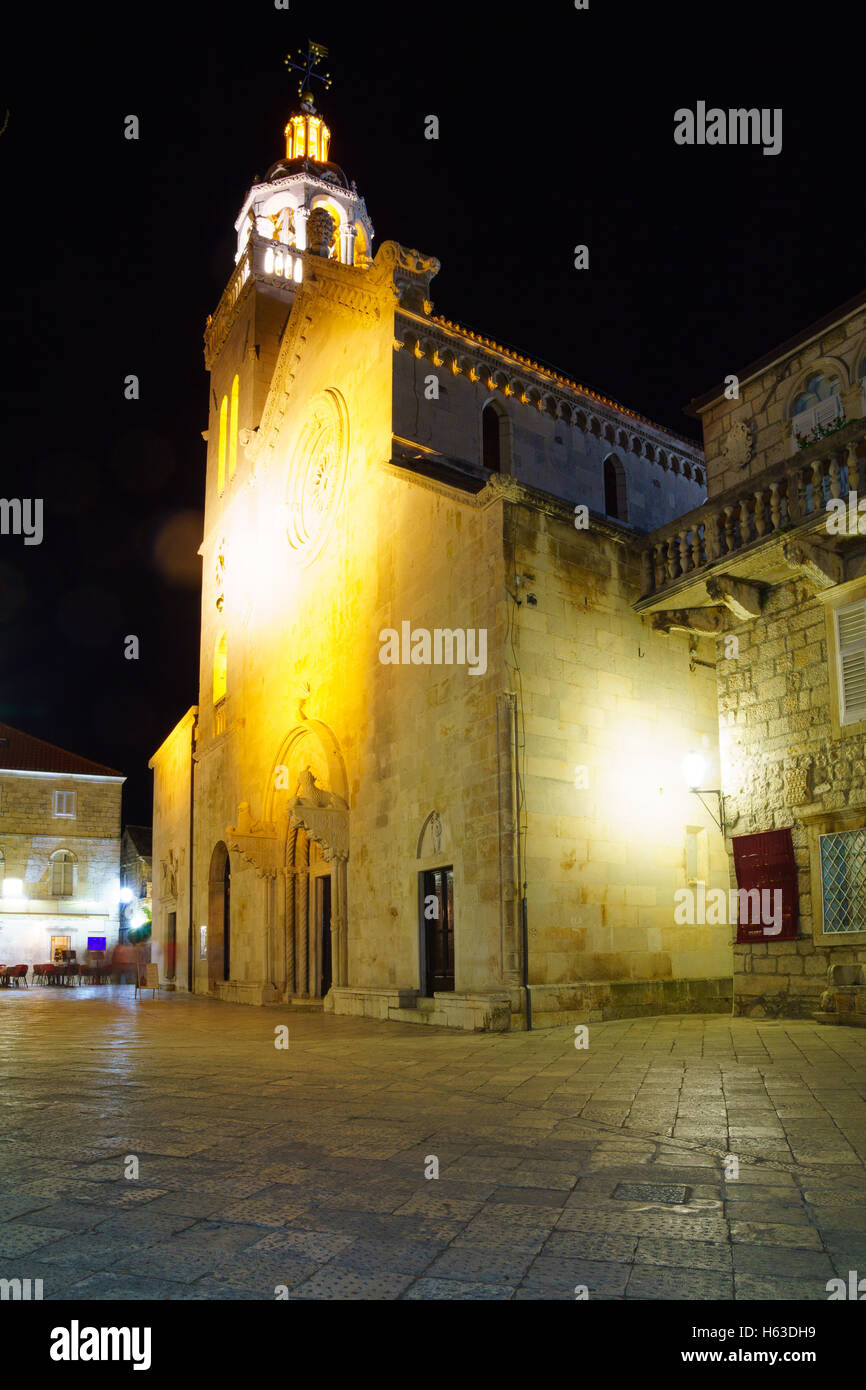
(306, 1168)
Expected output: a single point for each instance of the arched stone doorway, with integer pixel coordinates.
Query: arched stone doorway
(307, 803)
(309, 927)
(219, 917)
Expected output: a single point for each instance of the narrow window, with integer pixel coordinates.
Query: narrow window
(220, 669)
(221, 457)
(62, 874)
(233, 430)
(611, 500)
(491, 439)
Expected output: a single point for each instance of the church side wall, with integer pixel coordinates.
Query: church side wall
(610, 709)
(544, 451)
(171, 794)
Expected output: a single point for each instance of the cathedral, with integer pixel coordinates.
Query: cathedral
(455, 755)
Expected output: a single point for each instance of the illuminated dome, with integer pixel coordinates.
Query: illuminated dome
(331, 173)
(296, 186)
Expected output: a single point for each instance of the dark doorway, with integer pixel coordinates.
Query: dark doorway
(189, 941)
(323, 885)
(171, 946)
(437, 913)
(227, 936)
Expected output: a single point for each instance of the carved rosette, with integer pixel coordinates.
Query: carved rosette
(317, 475)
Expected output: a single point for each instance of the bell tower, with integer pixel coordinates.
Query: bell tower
(305, 208)
(282, 209)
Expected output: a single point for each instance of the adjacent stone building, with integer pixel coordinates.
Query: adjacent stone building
(434, 770)
(59, 851)
(136, 879)
(768, 580)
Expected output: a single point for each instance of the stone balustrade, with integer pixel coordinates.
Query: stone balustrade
(784, 496)
(263, 259)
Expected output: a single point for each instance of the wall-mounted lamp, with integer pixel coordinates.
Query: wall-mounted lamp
(694, 770)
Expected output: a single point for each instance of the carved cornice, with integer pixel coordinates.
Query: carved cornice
(327, 824)
(479, 358)
(256, 842)
(347, 296)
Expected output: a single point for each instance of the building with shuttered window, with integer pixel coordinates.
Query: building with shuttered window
(767, 581)
(59, 851)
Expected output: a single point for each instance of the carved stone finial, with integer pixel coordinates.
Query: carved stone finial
(321, 230)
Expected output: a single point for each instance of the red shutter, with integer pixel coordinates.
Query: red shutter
(766, 861)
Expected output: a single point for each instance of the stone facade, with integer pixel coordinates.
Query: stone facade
(767, 394)
(80, 901)
(172, 765)
(758, 574)
(348, 498)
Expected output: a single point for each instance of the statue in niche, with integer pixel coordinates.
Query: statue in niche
(283, 221)
(436, 832)
(169, 874)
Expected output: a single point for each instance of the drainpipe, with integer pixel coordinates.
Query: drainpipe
(190, 968)
(524, 924)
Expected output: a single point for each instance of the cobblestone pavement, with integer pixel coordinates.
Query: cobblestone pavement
(305, 1167)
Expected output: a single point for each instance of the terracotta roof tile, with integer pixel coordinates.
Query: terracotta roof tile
(20, 752)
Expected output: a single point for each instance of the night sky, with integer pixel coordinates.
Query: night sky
(556, 128)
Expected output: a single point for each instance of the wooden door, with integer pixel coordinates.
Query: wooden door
(438, 917)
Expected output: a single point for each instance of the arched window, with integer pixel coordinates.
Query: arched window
(817, 388)
(614, 490)
(233, 429)
(221, 456)
(817, 406)
(220, 669)
(62, 873)
(492, 427)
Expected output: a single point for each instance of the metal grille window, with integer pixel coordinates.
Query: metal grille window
(843, 880)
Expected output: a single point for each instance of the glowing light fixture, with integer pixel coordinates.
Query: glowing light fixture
(13, 888)
(125, 895)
